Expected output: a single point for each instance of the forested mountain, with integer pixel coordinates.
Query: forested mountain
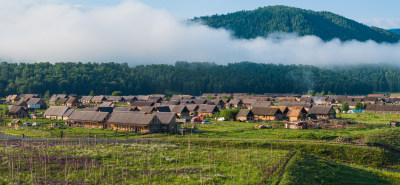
(183, 77)
(397, 31)
(381, 78)
(326, 25)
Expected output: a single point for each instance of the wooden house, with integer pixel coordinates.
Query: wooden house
(245, 115)
(125, 109)
(384, 109)
(98, 99)
(168, 121)
(193, 108)
(262, 113)
(16, 111)
(296, 114)
(180, 110)
(322, 112)
(134, 122)
(262, 104)
(207, 110)
(72, 102)
(36, 103)
(56, 112)
(86, 99)
(235, 103)
(141, 104)
(88, 119)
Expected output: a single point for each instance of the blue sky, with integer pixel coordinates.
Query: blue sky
(372, 12)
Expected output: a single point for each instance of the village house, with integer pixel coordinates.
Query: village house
(67, 114)
(193, 108)
(262, 113)
(88, 119)
(36, 103)
(107, 104)
(141, 104)
(115, 99)
(16, 111)
(56, 112)
(72, 102)
(12, 98)
(148, 110)
(125, 109)
(283, 109)
(163, 108)
(168, 121)
(86, 99)
(322, 112)
(245, 115)
(98, 99)
(180, 110)
(306, 105)
(263, 104)
(235, 103)
(296, 114)
(207, 110)
(134, 122)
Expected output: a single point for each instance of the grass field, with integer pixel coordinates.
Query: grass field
(23, 162)
(308, 170)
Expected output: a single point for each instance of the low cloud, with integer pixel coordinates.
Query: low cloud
(132, 32)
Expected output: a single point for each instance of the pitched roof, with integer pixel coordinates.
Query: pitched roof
(203, 108)
(131, 118)
(33, 101)
(142, 103)
(261, 104)
(147, 109)
(86, 98)
(15, 109)
(178, 108)
(296, 111)
(107, 104)
(114, 98)
(296, 104)
(123, 109)
(320, 109)
(244, 113)
(98, 98)
(88, 116)
(68, 113)
(266, 111)
(192, 107)
(56, 111)
(166, 117)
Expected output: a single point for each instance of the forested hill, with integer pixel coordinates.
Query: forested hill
(397, 31)
(185, 78)
(326, 25)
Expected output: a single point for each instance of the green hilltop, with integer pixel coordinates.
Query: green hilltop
(326, 25)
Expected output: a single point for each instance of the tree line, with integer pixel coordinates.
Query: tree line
(191, 78)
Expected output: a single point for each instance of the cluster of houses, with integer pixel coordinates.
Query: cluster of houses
(155, 113)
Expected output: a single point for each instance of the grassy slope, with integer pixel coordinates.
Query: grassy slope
(306, 169)
(133, 163)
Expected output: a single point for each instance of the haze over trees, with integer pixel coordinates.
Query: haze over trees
(326, 25)
(194, 78)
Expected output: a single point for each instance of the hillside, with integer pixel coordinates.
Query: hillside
(326, 25)
(397, 31)
(183, 77)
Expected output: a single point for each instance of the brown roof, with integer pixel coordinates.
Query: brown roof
(142, 103)
(296, 111)
(88, 116)
(383, 107)
(178, 108)
(131, 118)
(98, 98)
(86, 98)
(56, 111)
(265, 111)
(15, 109)
(245, 113)
(282, 108)
(166, 117)
(192, 107)
(123, 109)
(320, 109)
(261, 104)
(107, 104)
(207, 108)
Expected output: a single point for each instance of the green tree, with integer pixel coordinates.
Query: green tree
(116, 93)
(345, 106)
(229, 113)
(47, 95)
(91, 93)
(360, 106)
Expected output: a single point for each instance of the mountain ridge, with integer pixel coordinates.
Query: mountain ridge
(249, 24)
